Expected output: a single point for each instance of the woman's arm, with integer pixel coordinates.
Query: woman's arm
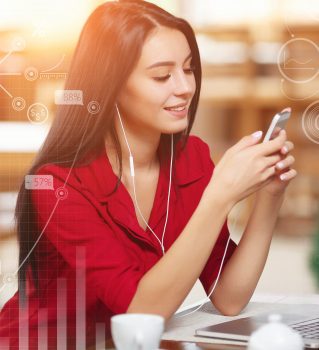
(242, 171)
(241, 275)
(242, 272)
(164, 287)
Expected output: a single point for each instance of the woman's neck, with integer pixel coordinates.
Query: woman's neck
(143, 147)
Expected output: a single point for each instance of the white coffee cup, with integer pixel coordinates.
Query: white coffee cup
(137, 331)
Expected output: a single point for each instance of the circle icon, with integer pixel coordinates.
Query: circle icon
(18, 43)
(37, 113)
(61, 193)
(310, 122)
(18, 103)
(295, 68)
(8, 278)
(93, 107)
(31, 74)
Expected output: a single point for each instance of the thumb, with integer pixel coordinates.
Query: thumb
(249, 140)
(256, 136)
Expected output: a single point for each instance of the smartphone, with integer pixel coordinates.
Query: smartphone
(278, 122)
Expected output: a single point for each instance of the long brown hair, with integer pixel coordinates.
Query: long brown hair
(109, 46)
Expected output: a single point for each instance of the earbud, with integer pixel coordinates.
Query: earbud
(132, 171)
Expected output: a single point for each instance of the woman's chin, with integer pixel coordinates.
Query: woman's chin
(175, 127)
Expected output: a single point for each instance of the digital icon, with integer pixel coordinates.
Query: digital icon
(37, 113)
(31, 74)
(295, 69)
(5, 90)
(93, 107)
(68, 97)
(38, 182)
(18, 43)
(48, 73)
(310, 122)
(53, 75)
(18, 103)
(61, 193)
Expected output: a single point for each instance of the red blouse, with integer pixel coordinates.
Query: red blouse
(93, 252)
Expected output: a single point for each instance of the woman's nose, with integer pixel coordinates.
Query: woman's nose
(184, 84)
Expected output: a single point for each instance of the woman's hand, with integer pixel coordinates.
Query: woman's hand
(284, 173)
(247, 167)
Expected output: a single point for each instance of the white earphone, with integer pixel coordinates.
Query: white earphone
(161, 242)
(132, 171)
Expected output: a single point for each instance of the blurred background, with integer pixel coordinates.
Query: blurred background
(258, 57)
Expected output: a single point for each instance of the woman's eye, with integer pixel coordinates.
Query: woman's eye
(162, 78)
(189, 70)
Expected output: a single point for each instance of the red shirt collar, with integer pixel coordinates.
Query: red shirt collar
(99, 180)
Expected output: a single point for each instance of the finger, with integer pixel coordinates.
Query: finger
(272, 146)
(288, 147)
(246, 141)
(289, 175)
(285, 163)
(268, 173)
(272, 160)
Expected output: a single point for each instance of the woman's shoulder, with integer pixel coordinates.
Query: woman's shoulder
(194, 150)
(198, 143)
(52, 169)
(93, 175)
(64, 168)
(55, 173)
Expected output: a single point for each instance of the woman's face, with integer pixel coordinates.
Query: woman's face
(158, 93)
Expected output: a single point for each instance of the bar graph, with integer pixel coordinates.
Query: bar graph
(80, 299)
(42, 329)
(61, 315)
(43, 323)
(100, 336)
(4, 344)
(23, 321)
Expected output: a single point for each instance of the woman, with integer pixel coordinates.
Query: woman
(137, 214)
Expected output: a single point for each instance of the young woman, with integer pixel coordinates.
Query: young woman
(124, 243)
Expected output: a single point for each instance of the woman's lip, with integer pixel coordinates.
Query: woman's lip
(184, 104)
(180, 114)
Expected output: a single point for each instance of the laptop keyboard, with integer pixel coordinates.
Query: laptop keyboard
(308, 329)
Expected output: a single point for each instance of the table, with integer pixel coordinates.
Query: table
(179, 335)
(172, 345)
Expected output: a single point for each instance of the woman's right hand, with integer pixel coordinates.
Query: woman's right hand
(245, 168)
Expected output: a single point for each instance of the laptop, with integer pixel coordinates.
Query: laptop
(304, 318)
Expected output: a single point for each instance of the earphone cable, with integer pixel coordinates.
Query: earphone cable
(168, 197)
(132, 171)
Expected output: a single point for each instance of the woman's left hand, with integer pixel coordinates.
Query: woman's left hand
(283, 172)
